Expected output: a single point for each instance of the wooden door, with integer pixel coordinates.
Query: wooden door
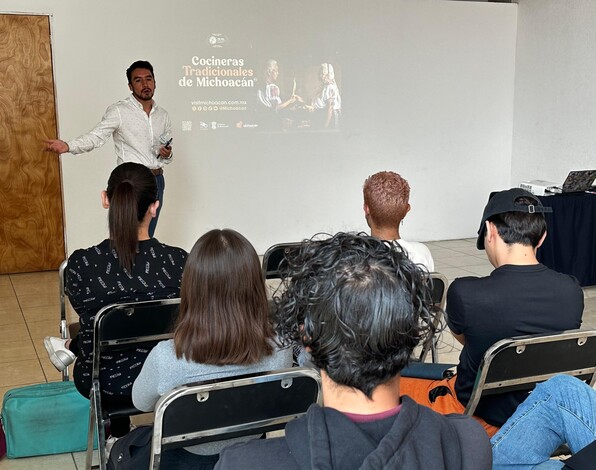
(31, 222)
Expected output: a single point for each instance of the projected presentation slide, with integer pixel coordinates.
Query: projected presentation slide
(236, 82)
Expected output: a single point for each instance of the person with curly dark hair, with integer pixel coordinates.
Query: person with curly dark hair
(360, 306)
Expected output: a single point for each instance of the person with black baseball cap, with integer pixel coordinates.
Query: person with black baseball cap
(520, 297)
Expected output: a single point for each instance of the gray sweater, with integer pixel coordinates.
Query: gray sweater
(162, 371)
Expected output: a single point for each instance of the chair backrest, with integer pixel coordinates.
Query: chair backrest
(439, 290)
(128, 325)
(237, 406)
(275, 255)
(520, 363)
(438, 295)
(120, 327)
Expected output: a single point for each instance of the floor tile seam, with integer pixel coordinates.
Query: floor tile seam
(26, 326)
(480, 264)
(14, 290)
(10, 387)
(463, 240)
(18, 362)
(453, 246)
(466, 250)
(74, 461)
(31, 339)
(455, 255)
(442, 249)
(20, 307)
(26, 356)
(467, 270)
(25, 287)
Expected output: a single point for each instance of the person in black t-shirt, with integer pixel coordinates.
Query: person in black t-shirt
(130, 266)
(521, 296)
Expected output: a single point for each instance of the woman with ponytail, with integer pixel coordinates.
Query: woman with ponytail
(130, 266)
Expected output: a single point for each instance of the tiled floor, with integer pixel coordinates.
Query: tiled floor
(29, 311)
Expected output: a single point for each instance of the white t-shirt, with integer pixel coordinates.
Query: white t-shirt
(418, 253)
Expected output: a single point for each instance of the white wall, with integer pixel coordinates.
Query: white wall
(555, 90)
(439, 79)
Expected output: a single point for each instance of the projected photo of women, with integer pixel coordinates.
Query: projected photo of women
(270, 97)
(328, 100)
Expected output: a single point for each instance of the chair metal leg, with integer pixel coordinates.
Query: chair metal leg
(155, 459)
(434, 353)
(91, 431)
(64, 335)
(96, 426)
(101, 434)
(63, 324)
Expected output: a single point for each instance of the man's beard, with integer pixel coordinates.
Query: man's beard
(143, 98)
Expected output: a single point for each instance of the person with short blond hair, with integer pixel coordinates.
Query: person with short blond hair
(386, 203)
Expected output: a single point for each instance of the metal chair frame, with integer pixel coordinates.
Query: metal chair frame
(120, 327)
(521, 362)
(237, 406)
(63, 297)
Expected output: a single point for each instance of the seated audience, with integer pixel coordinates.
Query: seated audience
(386, 196)
(520, 297)
(560, 411)
(223, 329)
(130, 266)
(357, 305)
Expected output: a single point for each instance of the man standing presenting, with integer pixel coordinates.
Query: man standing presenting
(140, 129)
(520, 297)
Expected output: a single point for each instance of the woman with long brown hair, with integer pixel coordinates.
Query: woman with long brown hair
(130, 266)
(223, 329)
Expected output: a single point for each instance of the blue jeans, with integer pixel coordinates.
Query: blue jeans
(161, 185)
(558, 411)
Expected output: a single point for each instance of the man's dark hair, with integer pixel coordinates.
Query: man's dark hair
(520, 227)
(139, 64)
(358, 304)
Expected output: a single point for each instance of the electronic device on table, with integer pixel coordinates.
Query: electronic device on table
(577, 181)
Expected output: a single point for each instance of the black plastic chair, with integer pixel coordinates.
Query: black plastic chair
(221, 409)
(274, 256)
(438, 295)
(122, 327)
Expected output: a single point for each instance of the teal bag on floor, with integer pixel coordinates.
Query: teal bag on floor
(48, 418)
